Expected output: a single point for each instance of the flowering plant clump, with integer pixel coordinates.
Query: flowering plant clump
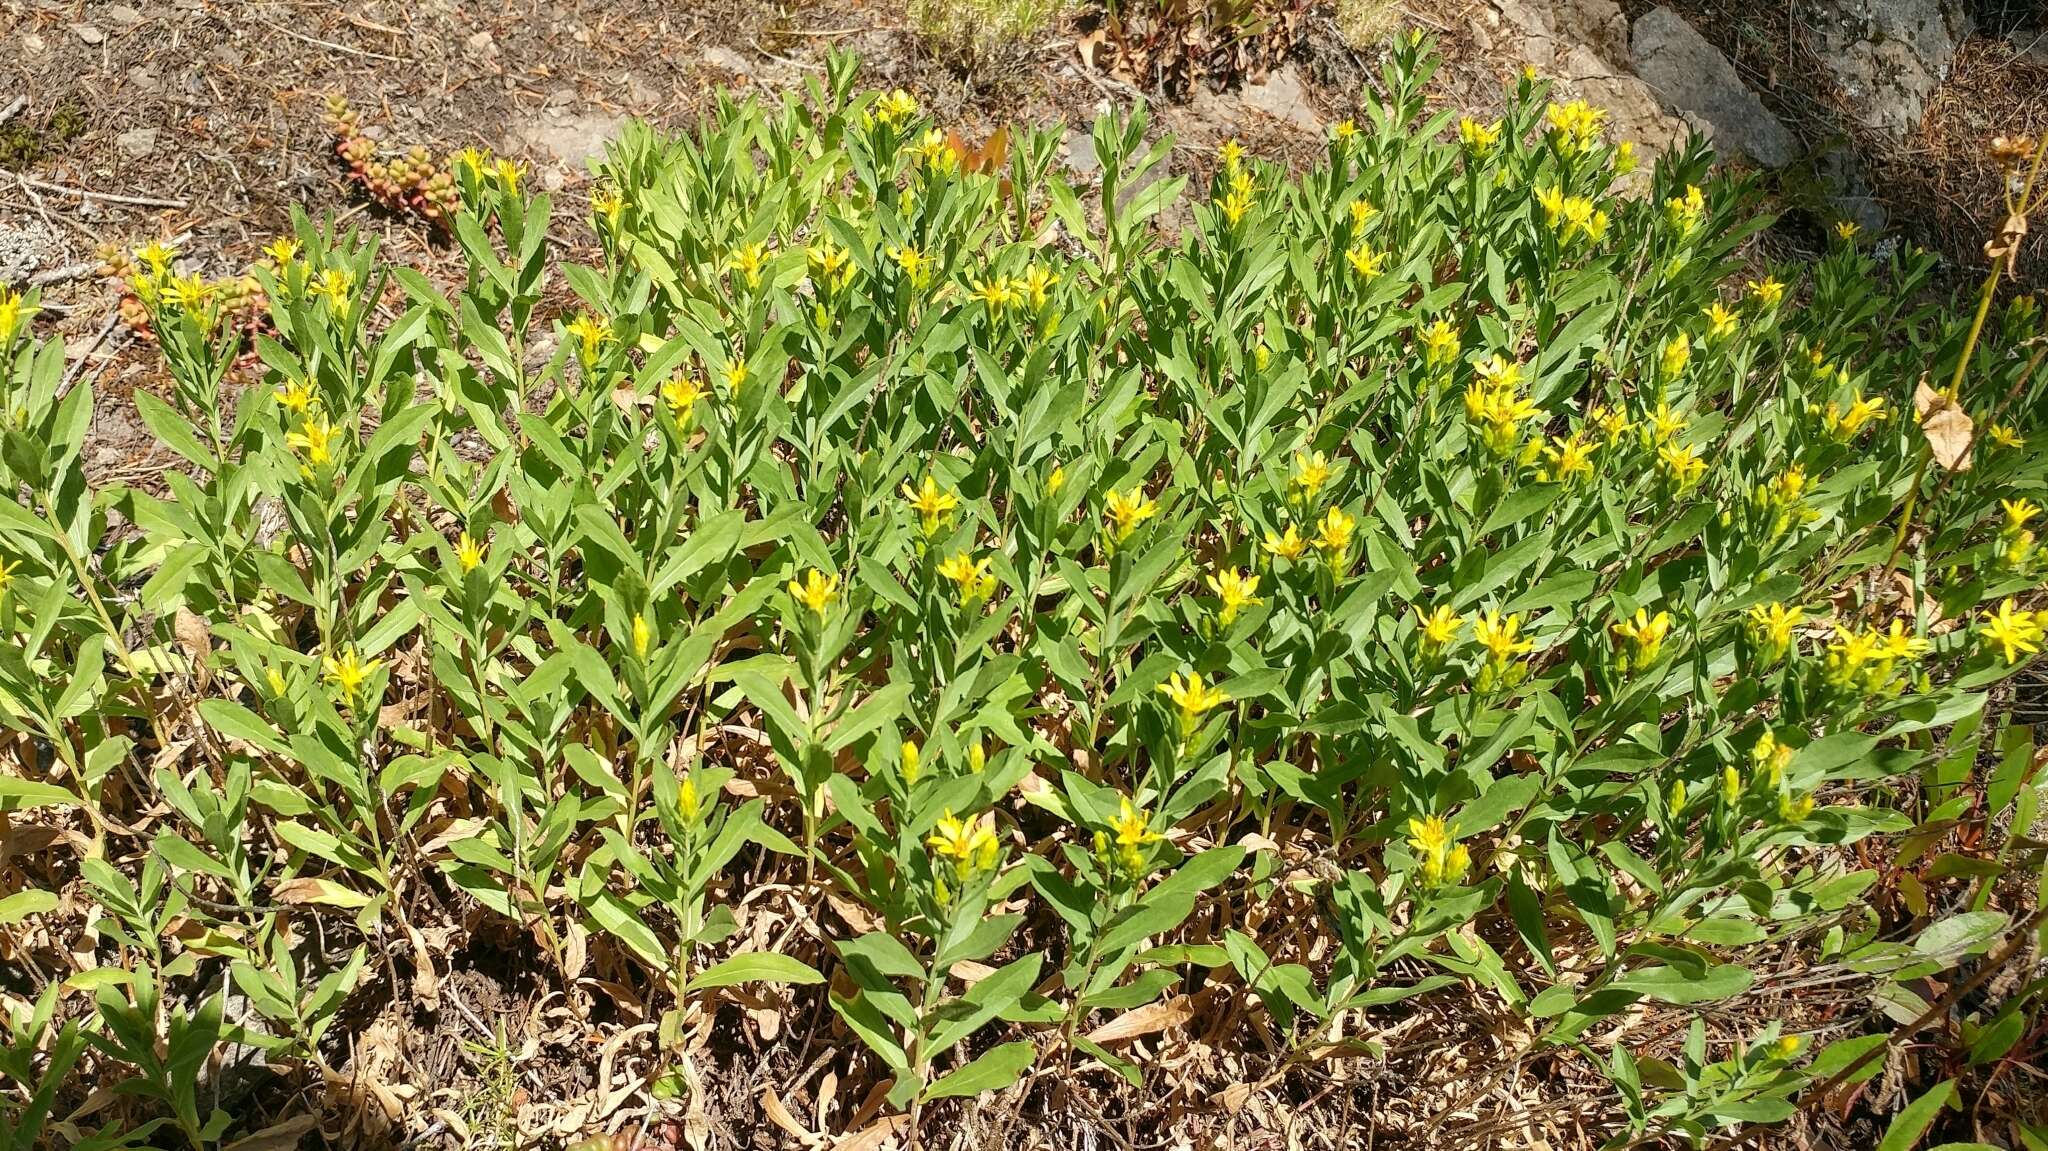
(411, 182)
(1431, 582)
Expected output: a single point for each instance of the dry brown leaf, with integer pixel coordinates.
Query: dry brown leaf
(279, 1137)
(2011, 234)
(1948, 427)
(311, 889)
(771, 1104)
(1949, 433)
(1146, 1020)
(969, 972)
(197, 640)
(1089, 45)
(875, 1135)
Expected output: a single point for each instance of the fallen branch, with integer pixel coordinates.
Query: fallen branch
(89, 194)
(61, 275)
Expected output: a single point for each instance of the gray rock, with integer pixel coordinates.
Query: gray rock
(571, 138)
(1583, 45)
(1692, 76)
(122, 14)
(136, 142)
(1282, 96)
(1081, 158)
(89, 33)
(1886, 56)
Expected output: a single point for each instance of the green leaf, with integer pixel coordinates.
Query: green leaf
(754, 967)
(992, 1070)
(232, 719)
(1673, 985)
(1910, 1124)
(22, 904)
(22, 794)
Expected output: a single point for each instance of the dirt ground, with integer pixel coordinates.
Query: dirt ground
(200, 120)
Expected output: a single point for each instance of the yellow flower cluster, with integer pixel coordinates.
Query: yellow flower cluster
(1235, 590)
(1494, 404)
(1572, 216)
(969, 845)
(1443, 861)
(2015, 538)
(1123, 845)
(1477, 138)
(1687, 212)
(1867, 660)
(971, 579)
(1641, 639)
(1574, 127)
(1193, 699)
(1770, 629)
(2013, 633)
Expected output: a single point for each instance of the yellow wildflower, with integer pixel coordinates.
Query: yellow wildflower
(282, 252)
(1686, 212)
(1311, 472)
(970, 576)
(1677, 352)
(995, 293)
(1438, 629)
(1571, 460)
(1847, 229)
(469, 554)
(297, 397)
(1364, 261)
(1193, 698)
(1333, 533)
(734, 376)
(1037, 285)
(642, 636)
(1770, 629)
(1721, 322)
(1767, 292)
(817, 591)
(1443, 862)
(591, 334)
(1574, 127)
(349, 672)
(1289, 546)
(1440, 344)
(2013, 633)
(1236, 590)
(1501, 637)
(916, 266)
(2005, 437)
(748, 262)
(895, 108)
(1478, 139)
(829, 265)
(1127, 511)
(1362, 211)
(315, 440)
(967, 845)
(931, 503)
(1645, 634)
(1612, 422)
(681, 394)
(1682, 465)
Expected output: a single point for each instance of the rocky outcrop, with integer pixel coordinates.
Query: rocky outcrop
(1693, 78)
(1885, 56)
(1584, 45)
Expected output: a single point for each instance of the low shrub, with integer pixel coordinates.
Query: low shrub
(1431, 583)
